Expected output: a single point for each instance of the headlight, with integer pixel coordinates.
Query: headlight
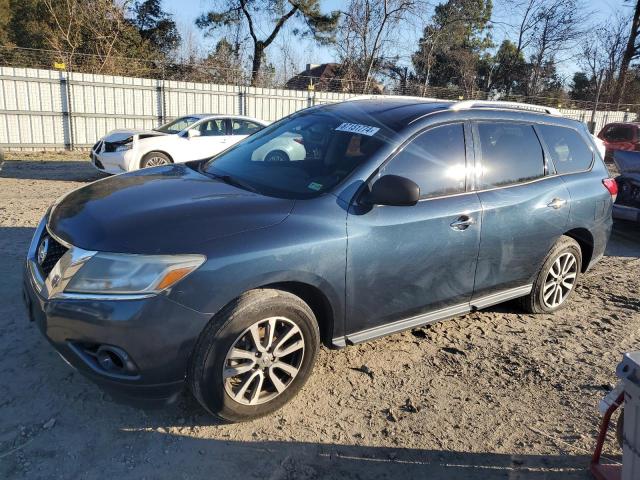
(115, 273)
(124, 147)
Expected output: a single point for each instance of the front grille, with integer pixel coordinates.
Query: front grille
(55, 251)
(111, 147)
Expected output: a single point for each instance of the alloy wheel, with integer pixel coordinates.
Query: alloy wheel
(156, 162)
(263, 361)
(560, 280)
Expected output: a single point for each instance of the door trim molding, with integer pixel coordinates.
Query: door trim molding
(502, 296)
(432, 317)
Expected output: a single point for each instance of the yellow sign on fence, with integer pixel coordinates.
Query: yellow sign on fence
(59, 65)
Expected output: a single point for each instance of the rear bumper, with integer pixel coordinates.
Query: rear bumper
(623, 212)
(156, 333)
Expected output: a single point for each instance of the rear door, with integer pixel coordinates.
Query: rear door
(403, 262)
(525, 207)
(241, 129)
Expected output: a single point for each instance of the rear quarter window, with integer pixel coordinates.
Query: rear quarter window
(568, 150)
(511, 153)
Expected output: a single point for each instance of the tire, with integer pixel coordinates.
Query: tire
(222, 394)
(277, 156)
(155, 159)
(540, 300)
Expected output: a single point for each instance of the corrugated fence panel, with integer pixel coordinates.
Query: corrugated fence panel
(47, 109)
(272, 104)
(100, 103)
(31, 108)
(185, 98)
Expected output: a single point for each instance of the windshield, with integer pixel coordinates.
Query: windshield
(300, 157)
(177, 125)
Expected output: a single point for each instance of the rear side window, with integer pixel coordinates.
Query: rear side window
(511, 153)
(435, 160)
(243, 127)
(568, 150)
(619, 133)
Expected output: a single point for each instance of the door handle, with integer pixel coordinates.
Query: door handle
(557, 203)
(462, 223)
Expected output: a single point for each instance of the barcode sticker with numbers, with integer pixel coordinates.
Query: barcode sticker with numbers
(357, 128)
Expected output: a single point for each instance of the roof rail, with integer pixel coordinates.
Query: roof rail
(385, 97)
(509, 105)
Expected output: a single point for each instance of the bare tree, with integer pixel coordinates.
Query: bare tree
(367, 27)
(632, 50)
(253, 14)
(543, 30)
(602, 52)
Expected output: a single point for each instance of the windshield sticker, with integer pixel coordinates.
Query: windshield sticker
(314, 186)
(357, 128)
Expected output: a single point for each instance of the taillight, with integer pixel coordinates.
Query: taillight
(299, 140)
(611, 185)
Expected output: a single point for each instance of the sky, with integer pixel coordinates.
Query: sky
(306, 51)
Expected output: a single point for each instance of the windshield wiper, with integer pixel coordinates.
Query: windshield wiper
(236, 182)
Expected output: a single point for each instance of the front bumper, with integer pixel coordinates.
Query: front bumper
(156, 333)
(110, 162)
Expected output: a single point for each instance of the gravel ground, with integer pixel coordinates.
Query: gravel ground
(494, 394)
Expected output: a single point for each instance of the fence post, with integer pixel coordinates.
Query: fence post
(67, 121)
(161, 102)
(240, 100)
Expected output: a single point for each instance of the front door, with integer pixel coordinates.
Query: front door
(212, 140)
(403, 262)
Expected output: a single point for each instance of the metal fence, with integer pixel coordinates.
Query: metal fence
(52, 110)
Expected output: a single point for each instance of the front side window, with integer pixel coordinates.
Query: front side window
(568, 150)
(435, 160)
(177, 125)
(302, 156)
(511, 153)
(212, 128)
(244, 127)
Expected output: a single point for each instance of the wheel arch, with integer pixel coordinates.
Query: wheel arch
(586, 241)
(317, 301)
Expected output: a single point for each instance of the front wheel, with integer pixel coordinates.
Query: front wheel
(255, 355)
(155, 159)
(556, 279)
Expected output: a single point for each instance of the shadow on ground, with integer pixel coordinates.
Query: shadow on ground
(64, 170)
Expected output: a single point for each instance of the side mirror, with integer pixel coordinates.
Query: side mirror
(393, 190)
(193, 133)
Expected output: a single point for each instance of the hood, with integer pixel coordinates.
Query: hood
(120, 135)
(171, 209)
(627, 161)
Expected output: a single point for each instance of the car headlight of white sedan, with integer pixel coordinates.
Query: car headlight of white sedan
(124, 147)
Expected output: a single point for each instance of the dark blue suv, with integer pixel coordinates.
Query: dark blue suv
(227, 274)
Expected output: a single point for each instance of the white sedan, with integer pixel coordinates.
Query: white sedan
(194, 137)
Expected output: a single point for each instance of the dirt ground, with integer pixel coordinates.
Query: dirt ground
(495, 394)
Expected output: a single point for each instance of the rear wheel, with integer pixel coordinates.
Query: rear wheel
(557, 278)
(255, 355)
(155, 159)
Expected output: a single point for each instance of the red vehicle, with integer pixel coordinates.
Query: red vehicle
(620, 136)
